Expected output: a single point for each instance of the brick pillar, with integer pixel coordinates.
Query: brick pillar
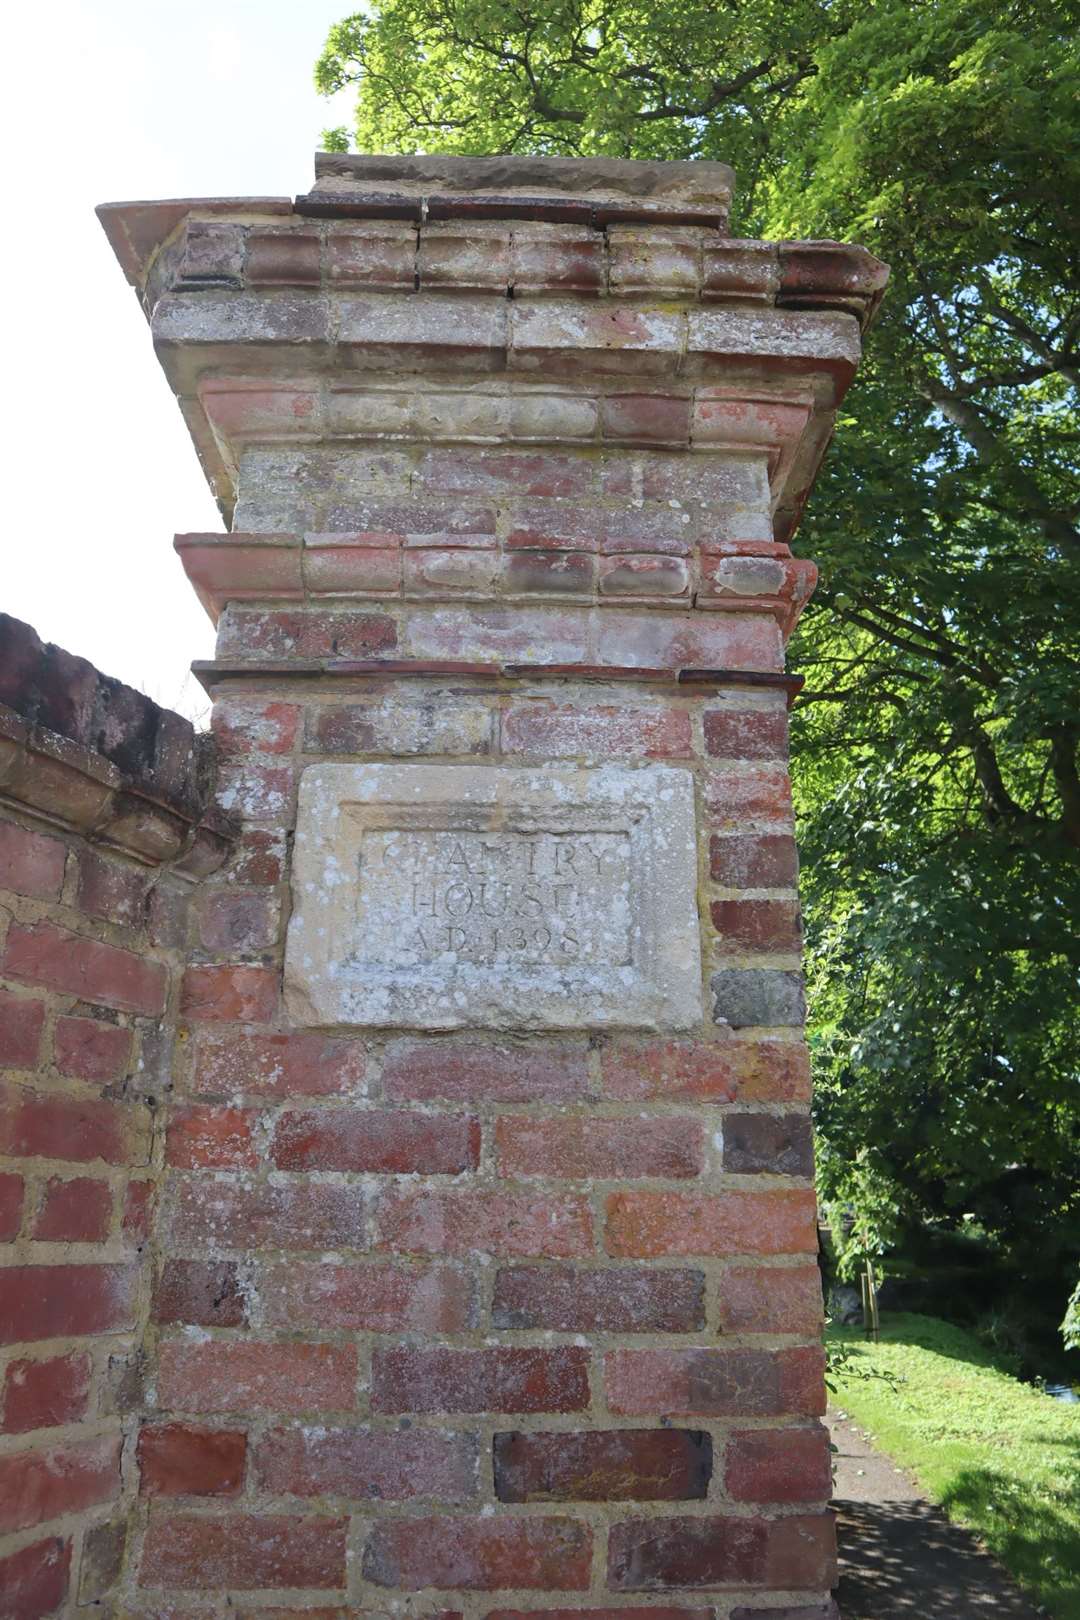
(487, 1252)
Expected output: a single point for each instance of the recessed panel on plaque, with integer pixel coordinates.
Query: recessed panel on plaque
(444, 896)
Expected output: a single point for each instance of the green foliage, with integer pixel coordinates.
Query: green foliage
(936, 744)
(1070, 1327)
(998, 1455)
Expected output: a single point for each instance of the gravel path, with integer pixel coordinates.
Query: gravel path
(899, 1555)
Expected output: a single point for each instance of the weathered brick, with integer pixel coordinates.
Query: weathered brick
(372, 1297)
(34, 1580)
(371, 253)
(51, 956)
(717, 1383)
(200, 1293)
(745, 793)
(769, 1144)
(53, 1302)
(235, 993)
(136, 1215)
(22, 1020)
(31, 863)
(778, 1465)
(44, 1394)
(616, 1465)
(202, 1137)
(754, 860)
(608, 1613)
(112, 890)
(186, 1459)
(248, 1376)
(627, 1299)
(233, 922)
(555, 731)
(746, 733)
(12, 1189)
(283, 259)
(380, 1141)
(33, 1124)
(254, 728)
(818, 1611)
(647, 1555)
(479, 1554)
(259, 856)
(667, 1146)
(505, 1379)
(650, 1224)
(250, 790)
(549, 573)
(747, 996)
(78, 1210)
(424, 1221)
(643, 575)
(367, 1464)
(772, 1299)
(36, 1486)
(646, 418)
(243, 1552)
(88, 1049)
(293, 1065)
(717, 1071)
(757, 925)
(268, 1215)
(102, 1559)
(258, 633)
(465, 1071)
(403, 729)
(504, 472)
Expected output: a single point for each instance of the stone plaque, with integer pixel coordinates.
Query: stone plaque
(442, 896)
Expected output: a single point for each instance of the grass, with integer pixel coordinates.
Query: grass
(999, 1456)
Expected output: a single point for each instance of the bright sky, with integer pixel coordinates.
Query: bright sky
(115, 100)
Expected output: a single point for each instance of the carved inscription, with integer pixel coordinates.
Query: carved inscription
(530, 898)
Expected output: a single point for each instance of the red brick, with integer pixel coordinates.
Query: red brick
(605, 1614)
(283, 259)
(505, 472)
(297, 1065)
(371, 1297)
(138, 1209)
(254, 728)
(648, 1555)
(479, 1554)
(268, 1215)
(492, 1380)
(248, 1376)
(200, 1293)
(644, 574)
(31, 863)
(757, 925)
(746, 733)
(181, 1459)
(88, 1049)
(645, 417)
(778, 1465)
(561, 732)
(628, 1299)
(201, 1137)
(240, 994)
(74, 1211)
(464, 1071)
(34, 1580)
(600, 1148)
(724, 1070)
(648, 1224)
(773, 1299)
(167, 916)
(306, 634)
(36, 1486)
(12, 1188)
(111, 890)
(368, 1464)
(45, 1394)
(802, 1553)
(21, 1022)
(251, 790)
(260, 856)
(47, 955)
(717, 1383)
(615, 1465)
(231, 921)
(773, 1144)
(244, 1552)
(425, 1221)
(52, 1302)
(751, 793)
(754, 861)
(549, 573)
(79, 1129)
(384, 1142)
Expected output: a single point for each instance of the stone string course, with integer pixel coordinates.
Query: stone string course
(344, 1321)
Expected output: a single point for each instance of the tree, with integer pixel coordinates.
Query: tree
(936, 744)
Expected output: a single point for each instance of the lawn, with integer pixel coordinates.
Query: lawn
(996, 1454)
